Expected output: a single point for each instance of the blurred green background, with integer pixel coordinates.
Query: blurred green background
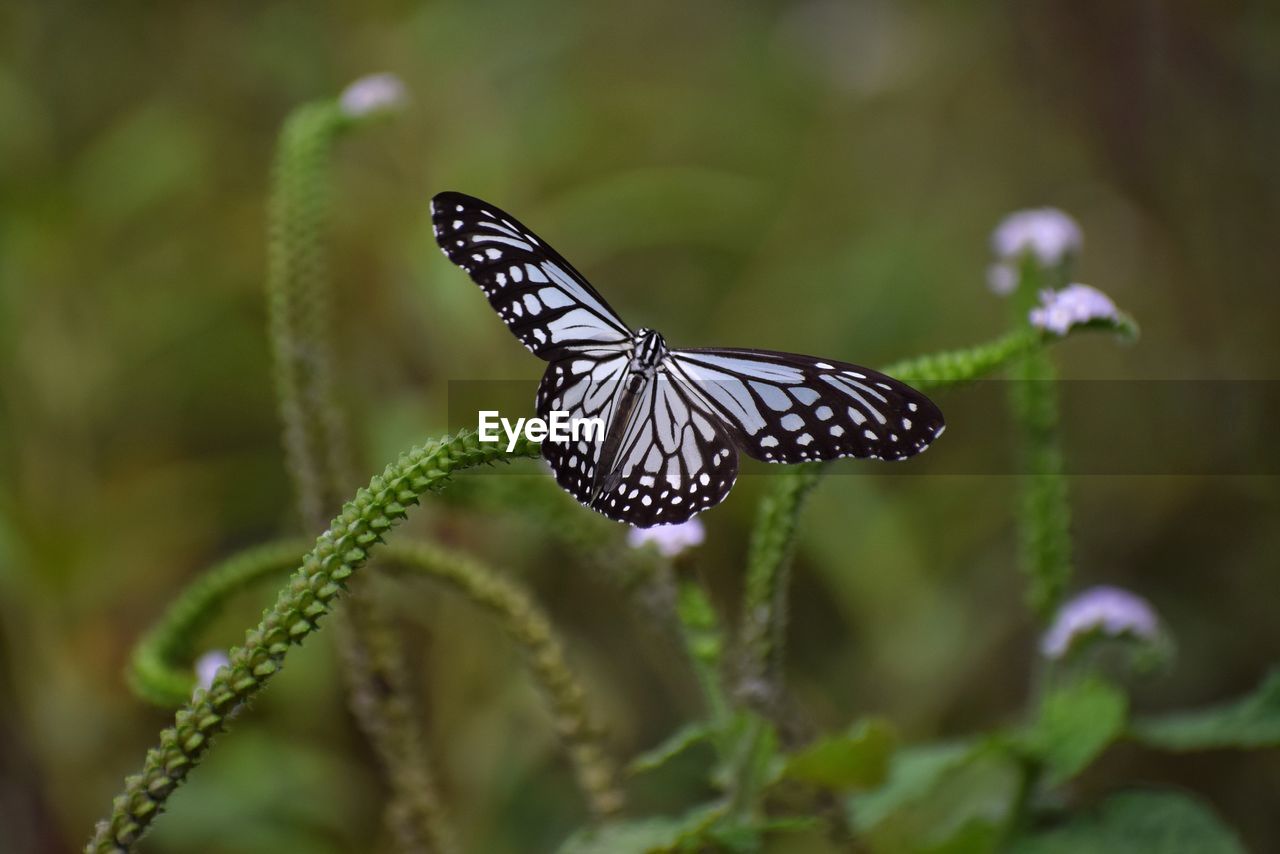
(816, 176)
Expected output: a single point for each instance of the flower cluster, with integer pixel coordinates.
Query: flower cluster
(1074, 305)
(670, 540)
(1047, 234)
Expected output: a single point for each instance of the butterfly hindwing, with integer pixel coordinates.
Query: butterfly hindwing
(584, 388)
(788, 408)
(674, 459)
(545, 302)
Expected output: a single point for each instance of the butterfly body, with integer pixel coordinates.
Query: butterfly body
(646, 359)
(675, 419)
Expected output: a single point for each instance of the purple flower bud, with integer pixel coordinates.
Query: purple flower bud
(377, 93)
(670, 540)
(207, 667)
(1110, 611)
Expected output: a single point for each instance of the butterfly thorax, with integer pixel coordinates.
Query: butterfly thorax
(648, 351)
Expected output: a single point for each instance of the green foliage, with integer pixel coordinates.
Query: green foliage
(990, 792)
(945, 797)
(688, 736)
(1253, 721)
(649, 835)
(1077, 721)
(1140, 822)
(856, 759)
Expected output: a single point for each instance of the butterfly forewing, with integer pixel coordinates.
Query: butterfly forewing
(547, 304)
(788, 408)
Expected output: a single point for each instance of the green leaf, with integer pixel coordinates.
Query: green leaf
(1152, 822)
(1077, 722)
(951, 797)
(858, 759)
(646, 835)
(675, 744)
(1122, 325)
(1251, 721)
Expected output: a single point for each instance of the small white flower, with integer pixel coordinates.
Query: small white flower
(1047, 233)
(377, 93)
(1002, 278)
(1073, 305)
(670, 540)
(207, 667)
(1109, 610)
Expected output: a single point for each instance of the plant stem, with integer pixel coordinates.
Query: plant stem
(320, 460)
(1044, 511)
(531, 630)
(309, 595)
(764, 609)
(704, 643)
(160, 667)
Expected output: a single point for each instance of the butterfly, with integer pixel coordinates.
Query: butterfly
(675, 419)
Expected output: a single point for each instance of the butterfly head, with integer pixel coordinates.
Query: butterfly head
(648, 349)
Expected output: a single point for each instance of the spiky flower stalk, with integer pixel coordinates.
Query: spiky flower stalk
(531, 631)
(159, 669)
(318, 454)
(311, 593)
(764, 610)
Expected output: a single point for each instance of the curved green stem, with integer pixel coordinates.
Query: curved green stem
(309, 595)
(590, 538)
(953, 367)
(531, 630)
(160, 667)
(298, 306)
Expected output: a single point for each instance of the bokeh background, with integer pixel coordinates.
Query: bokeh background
(818, 176)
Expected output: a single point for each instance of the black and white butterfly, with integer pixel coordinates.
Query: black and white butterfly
(676, 419)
